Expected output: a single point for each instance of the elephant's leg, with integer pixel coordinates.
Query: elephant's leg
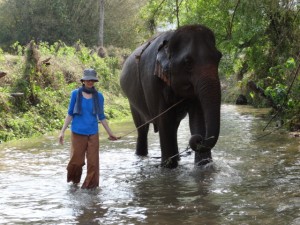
(197, 127)
(203, 158)
(168, 140)
(142, 141)
(142, 138)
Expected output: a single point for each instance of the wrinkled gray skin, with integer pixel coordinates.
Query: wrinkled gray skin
(188, 61)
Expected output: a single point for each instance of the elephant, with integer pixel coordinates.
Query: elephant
(175, 72)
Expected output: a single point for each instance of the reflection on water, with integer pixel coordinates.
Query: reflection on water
(251, 181)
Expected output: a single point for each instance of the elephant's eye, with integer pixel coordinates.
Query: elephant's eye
(188, 64)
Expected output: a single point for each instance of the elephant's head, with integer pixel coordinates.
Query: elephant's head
(188, 63)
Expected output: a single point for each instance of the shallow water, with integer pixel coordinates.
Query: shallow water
(252, 180)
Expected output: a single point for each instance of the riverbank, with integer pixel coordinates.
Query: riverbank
(285, 114)
(38, 79)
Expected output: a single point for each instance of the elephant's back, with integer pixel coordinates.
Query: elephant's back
(141, 61)
(147, 50)
(129, 74)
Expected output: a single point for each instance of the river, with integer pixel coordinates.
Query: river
(252, 180)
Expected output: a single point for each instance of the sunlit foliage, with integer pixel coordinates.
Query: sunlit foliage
(259, 40)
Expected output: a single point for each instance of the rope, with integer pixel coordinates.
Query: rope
(199, 146)
(168, 160)
(149, 121)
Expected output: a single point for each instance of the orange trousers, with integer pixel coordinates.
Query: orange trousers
(84, 146)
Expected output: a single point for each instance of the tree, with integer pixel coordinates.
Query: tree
(101, 23)
(161, 14)
(70, 21)
(259, 40)
(123, 27)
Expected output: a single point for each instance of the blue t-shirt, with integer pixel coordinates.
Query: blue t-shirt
(86, 123)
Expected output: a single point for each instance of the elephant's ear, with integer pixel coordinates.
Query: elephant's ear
(162, 64)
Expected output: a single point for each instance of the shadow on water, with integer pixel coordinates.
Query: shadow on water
(251, 181)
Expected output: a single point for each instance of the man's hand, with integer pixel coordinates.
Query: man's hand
(113, 138)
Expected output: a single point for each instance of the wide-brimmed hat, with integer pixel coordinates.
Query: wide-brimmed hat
(89, 74)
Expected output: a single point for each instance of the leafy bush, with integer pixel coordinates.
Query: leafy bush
(51, 87)
(277, 88)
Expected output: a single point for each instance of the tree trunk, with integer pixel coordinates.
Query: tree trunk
(177, 13)
(101, 23)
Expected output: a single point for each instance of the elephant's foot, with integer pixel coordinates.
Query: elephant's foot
(141, 149)
(170, 163)
(141, 153)
(203, 158)
(196, 143)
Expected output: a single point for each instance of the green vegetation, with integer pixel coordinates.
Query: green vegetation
(259, 40)
(70, 21)
(46, 88)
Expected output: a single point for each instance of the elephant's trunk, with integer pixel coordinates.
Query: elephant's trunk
(211, 111)
(208, 92)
